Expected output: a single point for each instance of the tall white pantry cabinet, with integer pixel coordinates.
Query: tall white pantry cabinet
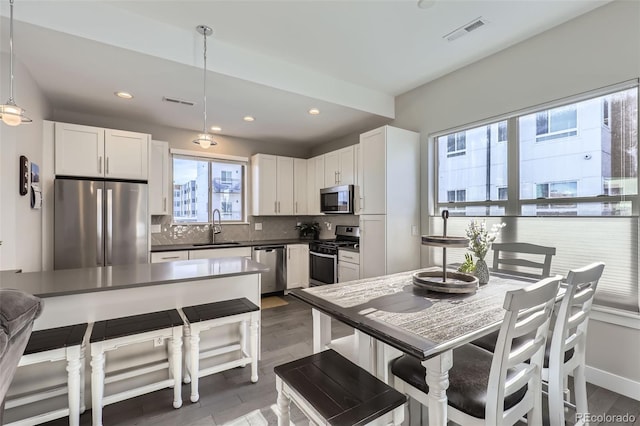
(389, 201)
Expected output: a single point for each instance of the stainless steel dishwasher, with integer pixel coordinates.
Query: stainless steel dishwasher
(273, 256)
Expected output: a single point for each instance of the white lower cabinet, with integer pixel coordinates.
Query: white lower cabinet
(169, 256)
(220, 252)
(297, 266)
(373, 245)
(348, 266)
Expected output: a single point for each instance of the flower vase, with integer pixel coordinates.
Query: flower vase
(482, 272)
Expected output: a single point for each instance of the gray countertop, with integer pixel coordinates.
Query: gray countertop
(224, 244)
(74, 281)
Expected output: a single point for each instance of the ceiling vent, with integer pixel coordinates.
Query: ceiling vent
(178, 101)
(466, 29)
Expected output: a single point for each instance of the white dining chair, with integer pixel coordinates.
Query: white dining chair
(495, 388)
(566, 353)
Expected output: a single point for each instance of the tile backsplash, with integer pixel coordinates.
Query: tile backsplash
(273, 227)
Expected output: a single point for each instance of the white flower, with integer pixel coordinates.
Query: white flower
(480, 239)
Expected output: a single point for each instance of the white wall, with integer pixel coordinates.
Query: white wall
(592, 51)
(20, 226)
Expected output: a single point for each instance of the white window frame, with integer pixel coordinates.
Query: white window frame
(243, 161)
(513, 204)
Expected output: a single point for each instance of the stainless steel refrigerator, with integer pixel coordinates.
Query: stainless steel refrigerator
(99, 223)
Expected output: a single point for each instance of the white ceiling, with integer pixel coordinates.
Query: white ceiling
(270, 59)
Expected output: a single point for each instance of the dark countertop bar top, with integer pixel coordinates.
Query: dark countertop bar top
(73, 281)
(224, 244)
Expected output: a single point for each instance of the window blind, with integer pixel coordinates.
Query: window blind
(578, 241)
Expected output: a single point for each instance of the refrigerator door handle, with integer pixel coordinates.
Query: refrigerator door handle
(99, 227)
(109, 226)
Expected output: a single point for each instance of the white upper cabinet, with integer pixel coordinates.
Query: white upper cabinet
(315, 182)
(300, 187)
(126, 154)
(159, 193)
(373, 172)
(95, 152)
(272, 185)
(79, 150)
(284, 185)
(339, 167)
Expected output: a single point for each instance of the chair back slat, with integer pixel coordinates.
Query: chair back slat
(524, 308)
(526, 351)
(514, 249)
(529, 324)
(519, 380)
(576, 319)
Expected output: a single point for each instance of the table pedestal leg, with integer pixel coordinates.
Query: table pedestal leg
(321, 331)
(438, 381)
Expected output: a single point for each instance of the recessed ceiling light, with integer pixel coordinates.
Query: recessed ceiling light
(314, 111)
(216, 128)
(248, 118)
(124, 95)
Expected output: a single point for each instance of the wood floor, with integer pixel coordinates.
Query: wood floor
(231, 398)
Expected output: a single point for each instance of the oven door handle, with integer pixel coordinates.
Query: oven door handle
(329, 256)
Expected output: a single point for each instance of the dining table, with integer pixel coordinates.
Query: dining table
(391, 315)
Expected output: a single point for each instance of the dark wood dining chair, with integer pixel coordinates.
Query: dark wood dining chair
(513, 258)
(495, 388)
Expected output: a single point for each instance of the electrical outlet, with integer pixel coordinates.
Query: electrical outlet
(156, 229)
(258, 226)
(158, 341)
(414, 230)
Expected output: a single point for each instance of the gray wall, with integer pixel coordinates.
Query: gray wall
(592, 51)
(20, 226)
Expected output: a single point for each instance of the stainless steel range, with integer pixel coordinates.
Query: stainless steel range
(323, 255)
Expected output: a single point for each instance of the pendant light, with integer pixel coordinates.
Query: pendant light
(205, 140)
(10, 113)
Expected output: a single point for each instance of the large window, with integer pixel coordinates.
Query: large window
(563, 169)
(583, 155)
(201, 185)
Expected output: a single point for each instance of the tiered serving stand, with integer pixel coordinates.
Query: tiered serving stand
(445, 281)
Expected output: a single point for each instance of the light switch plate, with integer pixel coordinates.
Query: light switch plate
(258, 226)
(156, 229)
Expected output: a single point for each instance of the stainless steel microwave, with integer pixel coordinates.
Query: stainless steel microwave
(337, 199)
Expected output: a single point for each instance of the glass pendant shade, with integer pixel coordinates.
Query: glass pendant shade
(10, 113)
(205, 140)
(13, 115)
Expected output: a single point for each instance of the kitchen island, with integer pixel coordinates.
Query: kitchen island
(87, 295)
(93, 294)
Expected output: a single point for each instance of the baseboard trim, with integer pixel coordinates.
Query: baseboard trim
(613, 382)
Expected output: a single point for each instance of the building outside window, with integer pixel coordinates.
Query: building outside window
(456, 144)
(575, 154)
(556, 123)
(202, 185)
(478, 174)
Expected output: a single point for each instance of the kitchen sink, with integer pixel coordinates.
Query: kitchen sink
(222, 243)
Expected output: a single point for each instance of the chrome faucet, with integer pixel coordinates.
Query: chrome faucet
(216, 229)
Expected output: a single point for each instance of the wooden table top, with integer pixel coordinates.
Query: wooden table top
(415, 321)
